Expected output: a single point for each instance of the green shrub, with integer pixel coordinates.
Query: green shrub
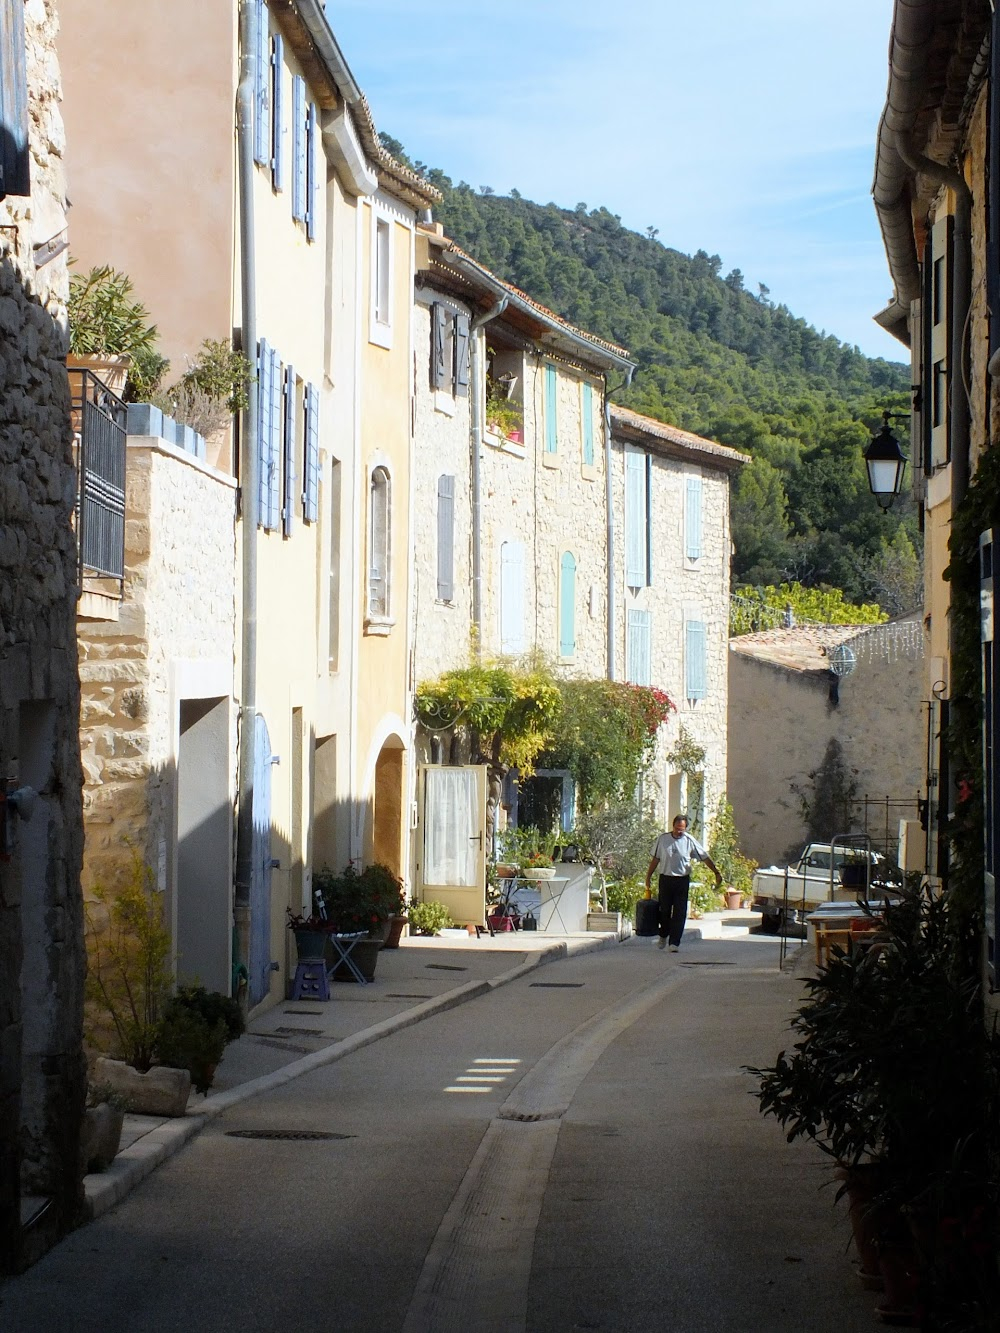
(703, 896)
(186, 1040)
(212, 1006)
(623, 895)
(430, 918)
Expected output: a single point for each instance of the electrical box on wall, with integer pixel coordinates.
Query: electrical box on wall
(912, 846)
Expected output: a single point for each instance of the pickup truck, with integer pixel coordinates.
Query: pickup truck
(821, 875)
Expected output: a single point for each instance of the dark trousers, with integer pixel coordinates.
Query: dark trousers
(673, 900)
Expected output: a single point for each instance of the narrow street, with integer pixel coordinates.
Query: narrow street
(576, 1150)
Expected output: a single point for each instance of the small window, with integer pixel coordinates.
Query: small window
(379, 553)
(551, 410)
(567, 605)
(380, 329)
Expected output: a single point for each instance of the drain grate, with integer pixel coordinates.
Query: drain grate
(297, 1135)
(707, 962)
(403, 995)
(557, 985)
(446, 967)
(300, 1032)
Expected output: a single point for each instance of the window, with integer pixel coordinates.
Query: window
(638, 528)
(310, 470)
(291, 434)
(692, 519)
(15, 174)
(512, 598)
(567, 605)
(312, 171)
(261, 127)
(638, 665)
(587, 417)
(299, 148)
(449, 350)
(695, 680)
(380, 323)
(446, 538)
(379, 553)
(269, 428)
(277, 113)
(551, 410)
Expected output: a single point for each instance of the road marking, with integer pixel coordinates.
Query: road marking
(467, 1089)
(484, 1070)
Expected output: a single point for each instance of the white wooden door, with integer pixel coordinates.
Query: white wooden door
(452, 866)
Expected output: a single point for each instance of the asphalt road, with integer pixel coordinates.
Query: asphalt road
(577, 1150)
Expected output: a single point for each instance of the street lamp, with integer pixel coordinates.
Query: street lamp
(886, 464)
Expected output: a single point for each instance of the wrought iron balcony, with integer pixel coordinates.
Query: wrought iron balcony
(99, 428)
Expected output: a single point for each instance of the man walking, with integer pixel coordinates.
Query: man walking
(673, 854)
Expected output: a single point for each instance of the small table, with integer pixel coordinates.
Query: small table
(551, 900)
(343, 947)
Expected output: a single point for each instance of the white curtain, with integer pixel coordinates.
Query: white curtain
(451, 819)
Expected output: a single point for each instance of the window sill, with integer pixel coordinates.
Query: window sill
(444, 601)
(380, 334)
(550, 461)
(444, 402)
(589, 472)
(495, 440)
(380, 626)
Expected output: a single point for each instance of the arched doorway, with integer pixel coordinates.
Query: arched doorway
(389, 800)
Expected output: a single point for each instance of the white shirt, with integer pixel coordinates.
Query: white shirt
(674, 855)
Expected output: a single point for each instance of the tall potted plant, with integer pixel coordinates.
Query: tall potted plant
(110, 332)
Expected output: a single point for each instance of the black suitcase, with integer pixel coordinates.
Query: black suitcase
(647, 917)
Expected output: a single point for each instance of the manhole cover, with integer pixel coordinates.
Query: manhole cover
(558, 985)
(447, 967)
(301, 1135)
(300, 1032)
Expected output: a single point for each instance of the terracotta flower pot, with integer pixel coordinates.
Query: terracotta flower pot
(734, 900)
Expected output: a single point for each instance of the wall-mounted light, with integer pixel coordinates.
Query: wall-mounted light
(886, 464)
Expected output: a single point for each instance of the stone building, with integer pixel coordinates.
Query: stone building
(42, 1069)
(814, 711)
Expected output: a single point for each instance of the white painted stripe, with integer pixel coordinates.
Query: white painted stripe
(484, 1061)
(465, 1089)
(480, 1078)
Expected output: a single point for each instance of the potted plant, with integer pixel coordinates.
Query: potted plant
(538, 866)
(354, 902)
(309, 933)
(196, 1026)
(110, 332)
(429, 918)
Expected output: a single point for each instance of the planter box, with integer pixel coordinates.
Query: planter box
(162, 1091)
(604, 922)
(100, 1137)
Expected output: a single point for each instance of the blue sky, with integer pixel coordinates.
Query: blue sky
(744, 129)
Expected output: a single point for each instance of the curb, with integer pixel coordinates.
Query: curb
(105, 1189)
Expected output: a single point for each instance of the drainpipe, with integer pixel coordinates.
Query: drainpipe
(609, 507)
(248, 486)
(475, 393)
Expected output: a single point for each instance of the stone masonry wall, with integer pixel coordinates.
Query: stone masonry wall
(42, 1073)
(179, 603)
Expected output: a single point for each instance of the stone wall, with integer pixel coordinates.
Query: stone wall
(42, 1073)
(179, 606)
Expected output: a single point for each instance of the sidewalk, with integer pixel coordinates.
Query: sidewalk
(425, 976)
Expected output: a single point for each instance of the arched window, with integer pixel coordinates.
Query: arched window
(379, 546)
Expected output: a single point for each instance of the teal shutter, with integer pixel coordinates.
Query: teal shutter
(696, 684)
(15, 159)
(446, 538)
(512, 598)
(635, 519)
(312, 171)
(567, 605)
(638, 648)
(310, 495)
(290, 432)
(277, 112)
(588, 425)
(264, 403)
(261, 140)
(299, 148)
(692, 518)
(551, 410)
(462, 355)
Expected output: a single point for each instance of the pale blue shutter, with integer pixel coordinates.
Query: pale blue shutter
(692, 518)
(512, 598)
(310, 495)
(439, 329)
(567, 605)
(635, 519)
(551, 410)
(462, 355)
(261, 139)
(637, 648)
(694, 660)
(15, 172)
(277, 112)
(274, 451)
(588, 425)
(446, 538)
(312, 171)
(291, 420)
(264, 403)
(649, 519)
(299, 148)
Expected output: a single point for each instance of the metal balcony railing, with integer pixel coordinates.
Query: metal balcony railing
(99, 421)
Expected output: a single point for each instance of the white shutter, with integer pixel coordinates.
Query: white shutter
(512, 598)
(635, 518)
(637, 648)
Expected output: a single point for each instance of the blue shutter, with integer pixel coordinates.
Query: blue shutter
(299, 148)
(696, 685)
(588, 425)
(291, 420)
(263, 431)
(277, 112)
(261, 141)
(512, 598)
(637, 648)
(692, 518)
(446, 538)
(551, 410)
(567, 605)
(635, 519)
(310, 496)
(648, 519)
(274, 447)
(15, 173)
(312, 170)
